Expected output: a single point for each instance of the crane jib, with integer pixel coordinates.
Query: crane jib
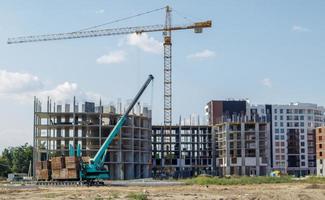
(106, 32)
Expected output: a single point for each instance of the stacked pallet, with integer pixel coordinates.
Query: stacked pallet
(43, 170)
(58, 163)
(65, 168)
(72, 168)
(85, 159)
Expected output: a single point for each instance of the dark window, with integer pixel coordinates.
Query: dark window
(320, 153)
(320, 146)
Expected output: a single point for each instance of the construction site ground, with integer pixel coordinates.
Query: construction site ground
(300, 191)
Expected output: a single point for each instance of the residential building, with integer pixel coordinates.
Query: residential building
(218, 110)
(320, 151)
(242, 148)
(292, 135)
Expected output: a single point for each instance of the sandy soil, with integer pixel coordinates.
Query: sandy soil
(185, 192)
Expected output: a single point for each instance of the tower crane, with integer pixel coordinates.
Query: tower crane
(167, 29)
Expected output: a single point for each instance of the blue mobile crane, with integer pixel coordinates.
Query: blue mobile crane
(94, 170)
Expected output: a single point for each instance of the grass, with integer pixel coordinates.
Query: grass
(244, 180)
(137, 196)
(314, 180)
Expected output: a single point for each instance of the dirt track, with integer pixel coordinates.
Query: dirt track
(251, 192)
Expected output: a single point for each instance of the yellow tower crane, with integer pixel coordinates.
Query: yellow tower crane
(166, 29)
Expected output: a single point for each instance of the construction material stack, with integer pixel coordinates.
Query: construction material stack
(43, 170)
(72, 168)
(58, 164)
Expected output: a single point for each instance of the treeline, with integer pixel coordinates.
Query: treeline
(15, 159)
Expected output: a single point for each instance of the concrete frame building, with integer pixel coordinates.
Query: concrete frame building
(190, 151)
(292, 135)
(88, 125)
(242, 148)
(320, 151)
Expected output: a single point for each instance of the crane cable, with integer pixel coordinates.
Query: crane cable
(122, 19)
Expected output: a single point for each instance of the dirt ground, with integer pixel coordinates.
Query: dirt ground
(184, 192)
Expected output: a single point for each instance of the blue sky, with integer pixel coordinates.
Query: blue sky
(267, 51)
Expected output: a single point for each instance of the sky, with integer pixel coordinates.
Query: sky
(267, 51)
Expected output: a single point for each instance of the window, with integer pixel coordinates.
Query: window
(320, 138)
(281, 124)
(302, 124)
(302, 144)
(275, 117)
(302, 150)
(303, 163)
(320, 131)
(302, 130)
(321, 171)
(320, 146)
(282, 137)
(275, 123)
(302, 137)
(301, 117)
(276, 130)
(320, 153)
(303, 157)
(281, 111)
(277, 137)
(275, 110)
(282, 130)
(320, 161)
(281, 117)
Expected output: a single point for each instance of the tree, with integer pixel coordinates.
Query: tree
(4, 167)
(18, 158)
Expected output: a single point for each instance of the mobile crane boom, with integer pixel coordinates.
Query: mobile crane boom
(95, 170)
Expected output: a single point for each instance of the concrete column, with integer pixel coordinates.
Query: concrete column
(214, 153)
(227, 150)
(257, 142)
(242, 140)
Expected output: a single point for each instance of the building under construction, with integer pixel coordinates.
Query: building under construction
(188, 150)
(243, 148)
(60, 125)
(233, 147)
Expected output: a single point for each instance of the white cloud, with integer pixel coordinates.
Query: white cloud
(267, 82)
(101, 11)
(15, 82)
(296, 28)
(113, 57)
(65, 92)
(22, 87)
(202, 54)
(146, 43)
